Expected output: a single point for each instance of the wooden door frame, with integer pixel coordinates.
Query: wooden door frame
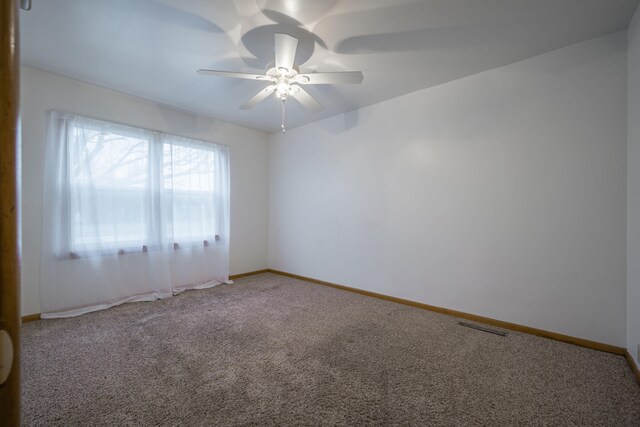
(9, 258)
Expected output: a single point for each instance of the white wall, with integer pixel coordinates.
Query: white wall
(633, 214)
(501, 194)
(42, 91)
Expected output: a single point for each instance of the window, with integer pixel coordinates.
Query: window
(188, 176)
(127, 189)
(108, 179)
(110, 190)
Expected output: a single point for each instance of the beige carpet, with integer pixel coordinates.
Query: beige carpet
(270, 350)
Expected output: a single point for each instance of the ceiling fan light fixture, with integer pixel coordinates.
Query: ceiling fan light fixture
(283, 88)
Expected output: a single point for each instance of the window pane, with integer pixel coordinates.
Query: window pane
(109, 180)
(189, 173)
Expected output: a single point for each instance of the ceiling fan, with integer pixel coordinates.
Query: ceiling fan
(286, 80)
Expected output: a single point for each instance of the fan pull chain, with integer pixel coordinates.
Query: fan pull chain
(283, 117)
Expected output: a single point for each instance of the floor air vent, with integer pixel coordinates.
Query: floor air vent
(482, 328)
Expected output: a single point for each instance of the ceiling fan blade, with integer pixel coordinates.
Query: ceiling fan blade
(340, 77)
(260, 96)
(308, 101)
(285, 49)
(236, 75)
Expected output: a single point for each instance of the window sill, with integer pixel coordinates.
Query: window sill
(88, 253)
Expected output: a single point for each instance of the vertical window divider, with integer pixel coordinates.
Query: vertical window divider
(156, 228)
(66, 231)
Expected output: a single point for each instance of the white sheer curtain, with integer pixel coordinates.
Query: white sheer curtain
(129, 215)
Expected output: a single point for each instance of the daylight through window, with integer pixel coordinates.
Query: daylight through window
(128, 189)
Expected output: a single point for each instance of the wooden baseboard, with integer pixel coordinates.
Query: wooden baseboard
(632, 363)
(30, 318)
(250, 273)
(481, 319)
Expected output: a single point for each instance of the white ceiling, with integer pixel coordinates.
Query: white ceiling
(152, 48)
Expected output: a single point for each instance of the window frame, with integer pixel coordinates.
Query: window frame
(156, 141)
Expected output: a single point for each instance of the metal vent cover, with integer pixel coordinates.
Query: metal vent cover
(482, 328)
